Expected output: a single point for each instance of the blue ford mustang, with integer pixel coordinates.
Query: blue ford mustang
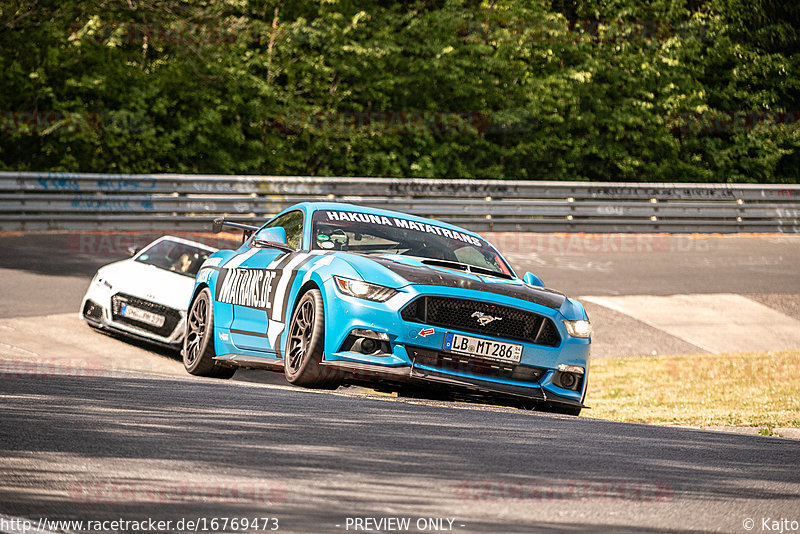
(334, 294)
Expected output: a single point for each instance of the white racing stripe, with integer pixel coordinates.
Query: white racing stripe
(237, 260)
(274, 329)
(274, 263)
(321, 263)
(283, 283)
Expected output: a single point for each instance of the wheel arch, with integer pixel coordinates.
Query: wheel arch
(308, 285)
(197, 289)
(305, 288)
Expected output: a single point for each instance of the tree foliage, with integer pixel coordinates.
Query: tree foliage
(671, 90)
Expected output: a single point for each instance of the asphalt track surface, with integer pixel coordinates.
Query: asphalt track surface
(94, 428)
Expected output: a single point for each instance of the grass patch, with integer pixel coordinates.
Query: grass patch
(759, 389)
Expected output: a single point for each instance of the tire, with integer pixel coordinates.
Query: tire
(198, 343)
(305, 345)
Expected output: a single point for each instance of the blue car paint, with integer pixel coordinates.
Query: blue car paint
(343, 313)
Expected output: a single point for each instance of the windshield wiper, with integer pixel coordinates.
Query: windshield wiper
(464, 267)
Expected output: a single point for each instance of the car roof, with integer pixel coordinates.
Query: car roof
(344, 206)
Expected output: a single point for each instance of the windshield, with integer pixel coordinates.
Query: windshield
(175, 256)
(366, 233)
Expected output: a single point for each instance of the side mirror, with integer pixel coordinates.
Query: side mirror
(133, 251)
(532, 280)
(216, 225)
(274, 235)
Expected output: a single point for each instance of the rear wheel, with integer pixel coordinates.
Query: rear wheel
(198, 344)
(305, 345)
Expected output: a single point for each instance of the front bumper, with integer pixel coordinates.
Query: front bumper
(97, 310)
(414, 351)
(404, 376)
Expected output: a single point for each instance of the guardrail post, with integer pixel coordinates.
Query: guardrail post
(740, 214)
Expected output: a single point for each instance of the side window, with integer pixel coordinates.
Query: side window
(292, 222)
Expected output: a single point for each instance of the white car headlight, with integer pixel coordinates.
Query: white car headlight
(581, 328)
(364, 290)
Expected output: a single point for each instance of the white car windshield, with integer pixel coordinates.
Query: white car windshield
(175, 256)
(367, 233)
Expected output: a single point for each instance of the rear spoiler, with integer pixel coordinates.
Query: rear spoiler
(247, 229)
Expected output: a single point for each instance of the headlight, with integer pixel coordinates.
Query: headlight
(582, 328)
(364, 290)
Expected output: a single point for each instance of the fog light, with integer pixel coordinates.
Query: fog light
(569, 376)
(368, 345)
(567, 380)
(367, 342)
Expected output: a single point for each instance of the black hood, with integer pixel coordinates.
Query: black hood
(425, 275)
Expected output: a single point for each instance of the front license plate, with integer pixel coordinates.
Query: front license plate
(485, 348)
(144, 316)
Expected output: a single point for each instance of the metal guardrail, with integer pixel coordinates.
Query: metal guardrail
(65, 201)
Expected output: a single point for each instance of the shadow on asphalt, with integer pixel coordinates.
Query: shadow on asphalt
(337, 456)
(155, 348)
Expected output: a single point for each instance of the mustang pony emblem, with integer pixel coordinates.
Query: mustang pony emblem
(484, 319)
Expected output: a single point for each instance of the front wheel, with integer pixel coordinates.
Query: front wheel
(305, 345)
(198, 343)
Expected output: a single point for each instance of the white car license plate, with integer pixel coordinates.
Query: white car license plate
(144, 316)
(485, 348)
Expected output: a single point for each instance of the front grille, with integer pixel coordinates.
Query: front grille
(459, 314)
(92, 311)
(474, 366)
(172, 316)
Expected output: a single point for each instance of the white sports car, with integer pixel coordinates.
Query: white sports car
(146, 296)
